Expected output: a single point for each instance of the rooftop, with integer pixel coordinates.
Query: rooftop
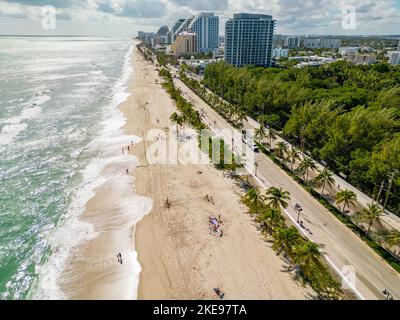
(251, 16)
(187, 33)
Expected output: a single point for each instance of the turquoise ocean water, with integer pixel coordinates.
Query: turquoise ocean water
(58, 99)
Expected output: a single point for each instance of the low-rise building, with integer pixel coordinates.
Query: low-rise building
(185, 43)
(360, 58)
(312, 61)
(347, 50)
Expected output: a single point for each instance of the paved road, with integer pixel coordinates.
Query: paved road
(340, 245)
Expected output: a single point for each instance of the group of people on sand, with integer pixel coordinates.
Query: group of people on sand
(128, 148)
(215, 226)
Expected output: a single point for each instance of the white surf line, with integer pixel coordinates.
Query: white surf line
(343, 277)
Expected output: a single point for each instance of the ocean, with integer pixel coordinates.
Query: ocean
(58, 124)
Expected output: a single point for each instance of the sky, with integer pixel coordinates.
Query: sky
(127, 17)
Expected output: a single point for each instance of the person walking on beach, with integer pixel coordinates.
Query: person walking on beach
(123, 151)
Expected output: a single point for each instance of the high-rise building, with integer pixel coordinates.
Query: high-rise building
(248, 40)
(185, 43)
(183, 27)
(206, 26)
(141, 34)
(292, 42)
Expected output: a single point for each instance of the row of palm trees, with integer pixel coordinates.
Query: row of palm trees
(303, 255)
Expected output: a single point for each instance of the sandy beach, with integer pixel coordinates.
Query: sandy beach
(178, 257)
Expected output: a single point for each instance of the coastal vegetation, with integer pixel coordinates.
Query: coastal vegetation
(345, 115)
(145, 52)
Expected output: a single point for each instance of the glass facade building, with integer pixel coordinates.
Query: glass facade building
(248, 40)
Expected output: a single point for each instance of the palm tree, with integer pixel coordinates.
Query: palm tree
(307, 255)
(286, 239)
(306, 165)
(371, 213)
(281, 149)
(271, 136)
(393, 238)
(254, 199)
(260, 134)
(271, 219)
(323, 179)
(347, 197)
(293, 155)
(277, 198)
(178, 120)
